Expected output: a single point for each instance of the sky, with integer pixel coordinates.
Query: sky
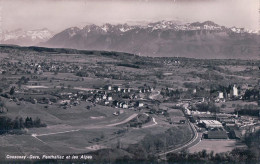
(58, 15)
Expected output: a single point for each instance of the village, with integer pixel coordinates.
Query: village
(214, 124)
(131, 92)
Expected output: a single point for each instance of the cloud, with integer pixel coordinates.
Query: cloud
(60, 14)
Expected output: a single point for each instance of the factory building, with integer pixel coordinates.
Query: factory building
(211, 124)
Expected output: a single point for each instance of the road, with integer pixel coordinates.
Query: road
(193, 141)
(125, 121)
(154, 122)
(55, 133)
(34, 135)
(152, 96)
(89, 127)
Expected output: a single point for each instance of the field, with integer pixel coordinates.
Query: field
(76, 130)
(67, 135)
(217, 146)
(67, 91)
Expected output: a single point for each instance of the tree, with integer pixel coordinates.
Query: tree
(21, 122)
(12, 90)
(17, 124)
(37, 122)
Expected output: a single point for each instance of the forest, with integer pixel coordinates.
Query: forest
(7, 125)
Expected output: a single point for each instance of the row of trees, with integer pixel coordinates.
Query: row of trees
(204, 107)
(251, 94)
(120, 156)
(7, 125)
(247, 109)
(235, 156)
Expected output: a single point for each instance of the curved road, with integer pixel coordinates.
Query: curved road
(125, 121)
(193, 141)
(190, 143)
(152, 96)
(90, 127)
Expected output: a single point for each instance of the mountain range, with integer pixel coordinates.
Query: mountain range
(25, 37)
(159, 39)
(162, 39)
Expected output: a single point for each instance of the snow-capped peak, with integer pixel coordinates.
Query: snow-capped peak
(39, 34)
(106, 27)
(243, 30)
(29, 36)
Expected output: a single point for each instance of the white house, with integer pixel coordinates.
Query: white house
(125, 106)
(234, 91)
(109, 98)
(220, 95)
(140, 104)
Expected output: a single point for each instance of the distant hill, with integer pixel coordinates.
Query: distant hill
(164, 38)
(6, 48)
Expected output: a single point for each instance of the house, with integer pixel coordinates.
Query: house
(140, 104)
(109, 87)
(120, 104)
(234, 91)
(125, 106)
(117, 88)
(220, 95)
(109, 98)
